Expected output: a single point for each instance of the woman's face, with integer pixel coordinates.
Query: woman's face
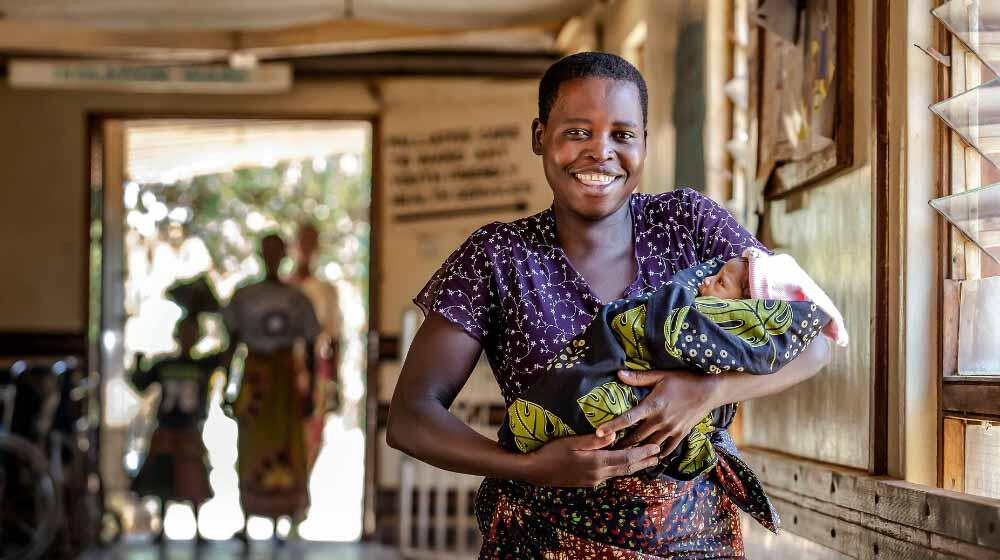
(593, 145)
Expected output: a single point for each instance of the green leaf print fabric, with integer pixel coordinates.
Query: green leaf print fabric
(671, 328)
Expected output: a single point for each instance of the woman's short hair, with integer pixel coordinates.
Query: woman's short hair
(588, 65)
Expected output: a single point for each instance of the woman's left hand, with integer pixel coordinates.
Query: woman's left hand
(679, 400)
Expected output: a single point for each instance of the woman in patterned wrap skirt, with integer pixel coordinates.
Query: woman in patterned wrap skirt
(521, 290)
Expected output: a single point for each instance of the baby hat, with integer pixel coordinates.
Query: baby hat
(780, 277)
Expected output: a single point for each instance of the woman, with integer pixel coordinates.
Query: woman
(326, 302)
(270, 317)
(520, 291)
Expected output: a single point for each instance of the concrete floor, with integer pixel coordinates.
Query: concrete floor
(760, 545)
(259, 550)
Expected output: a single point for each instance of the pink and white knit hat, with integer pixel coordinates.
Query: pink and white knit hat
(780, 277)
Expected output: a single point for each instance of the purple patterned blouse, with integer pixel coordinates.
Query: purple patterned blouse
(512, 287)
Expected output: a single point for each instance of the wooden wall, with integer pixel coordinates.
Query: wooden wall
(829, 231)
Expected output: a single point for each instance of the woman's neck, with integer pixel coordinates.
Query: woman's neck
(579, 235)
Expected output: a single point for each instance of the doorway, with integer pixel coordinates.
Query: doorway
(179, 198)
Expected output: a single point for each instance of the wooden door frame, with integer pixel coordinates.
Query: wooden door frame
(94, 175)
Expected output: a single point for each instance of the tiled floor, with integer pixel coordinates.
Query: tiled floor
(260, 550)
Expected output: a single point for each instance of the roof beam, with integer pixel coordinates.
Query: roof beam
(354, 36)
(30, 37)
(333, 37)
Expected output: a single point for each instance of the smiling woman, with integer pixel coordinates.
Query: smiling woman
(521, 291)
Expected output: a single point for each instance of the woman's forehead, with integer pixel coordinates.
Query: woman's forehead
(588, 98)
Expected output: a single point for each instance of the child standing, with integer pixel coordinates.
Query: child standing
(174, 468)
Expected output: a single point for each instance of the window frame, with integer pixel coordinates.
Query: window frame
(962, 399)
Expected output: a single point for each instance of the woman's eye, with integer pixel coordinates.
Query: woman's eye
(576, 133)
(625, 135)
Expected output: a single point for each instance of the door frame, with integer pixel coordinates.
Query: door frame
(94, 179)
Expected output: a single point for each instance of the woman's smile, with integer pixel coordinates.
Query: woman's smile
(597, 182)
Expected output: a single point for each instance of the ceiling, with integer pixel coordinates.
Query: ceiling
(211, 30)
(245, 15)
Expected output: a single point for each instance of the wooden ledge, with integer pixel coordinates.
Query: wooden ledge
(866, 516)
(971, 396)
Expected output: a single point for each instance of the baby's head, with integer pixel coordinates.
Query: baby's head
(731, 282)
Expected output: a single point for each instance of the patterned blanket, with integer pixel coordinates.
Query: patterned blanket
(671, 328)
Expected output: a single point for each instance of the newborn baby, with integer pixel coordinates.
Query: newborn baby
(731, 282)
(758, 275)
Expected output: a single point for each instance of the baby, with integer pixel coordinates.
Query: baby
(758, 275)
(731, 282)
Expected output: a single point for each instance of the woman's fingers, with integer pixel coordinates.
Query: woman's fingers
(628, 461)
(643, 432)
(670, 443)
(631, 417)
(591, 442)
(648, 433)
(641, 466)
(641, 378)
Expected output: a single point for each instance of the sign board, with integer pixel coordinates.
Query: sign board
(149, 77)
(459, 171)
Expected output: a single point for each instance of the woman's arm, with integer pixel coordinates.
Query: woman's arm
(439, 363)
(734, 386)
(680, 399)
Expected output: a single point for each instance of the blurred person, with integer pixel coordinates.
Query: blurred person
(270, 318)
(326, 302)
(174, 468)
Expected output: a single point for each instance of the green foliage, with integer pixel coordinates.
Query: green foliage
(290, 192)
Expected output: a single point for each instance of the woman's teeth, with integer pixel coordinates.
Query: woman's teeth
(595, 179)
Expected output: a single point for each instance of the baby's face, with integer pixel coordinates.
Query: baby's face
(731, 282)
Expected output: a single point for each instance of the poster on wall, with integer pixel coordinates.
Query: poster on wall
(805, 108)
(456, 155)
(456, 172)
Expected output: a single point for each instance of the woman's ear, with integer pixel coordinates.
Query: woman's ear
(537, 130)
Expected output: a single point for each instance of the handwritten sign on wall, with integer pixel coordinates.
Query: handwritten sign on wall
(456, 171)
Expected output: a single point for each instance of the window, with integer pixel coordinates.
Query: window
(970, 384)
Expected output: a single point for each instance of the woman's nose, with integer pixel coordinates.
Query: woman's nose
(600, 148)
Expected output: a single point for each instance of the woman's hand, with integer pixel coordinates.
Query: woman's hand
(678, 401)
(582, 461)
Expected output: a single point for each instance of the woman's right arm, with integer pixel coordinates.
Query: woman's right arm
(439, 363)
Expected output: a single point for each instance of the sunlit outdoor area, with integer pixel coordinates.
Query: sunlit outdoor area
(199, 196)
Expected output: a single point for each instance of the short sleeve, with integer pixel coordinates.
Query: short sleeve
(142, 379)
(716, 231)
(211, 363)
(461, 290)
